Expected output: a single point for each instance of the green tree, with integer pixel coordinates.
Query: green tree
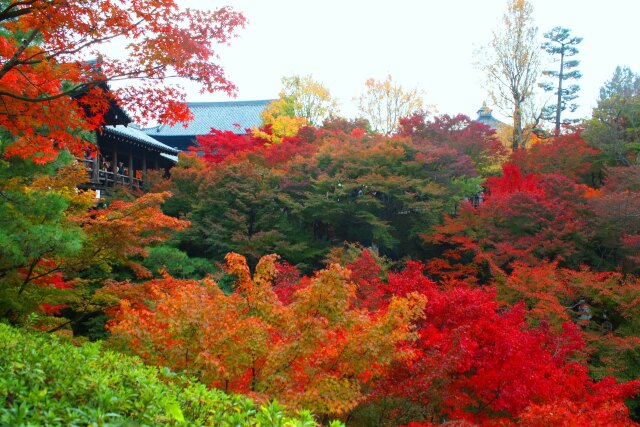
(561, 45)
(177, 263)
(615, 123)
(322, 188)
(54, 246)
(383, 192)
(242, 208)
(36, 233)
(512, 65)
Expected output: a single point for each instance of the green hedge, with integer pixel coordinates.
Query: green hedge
(45, 382)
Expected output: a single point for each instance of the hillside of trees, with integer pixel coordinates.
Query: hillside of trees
(396, 269)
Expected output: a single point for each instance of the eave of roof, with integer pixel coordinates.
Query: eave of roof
(140, 137)
(174, 159)
(490, 121)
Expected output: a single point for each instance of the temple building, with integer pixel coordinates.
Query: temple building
(485, 117)
(234, 116)
(124, 153)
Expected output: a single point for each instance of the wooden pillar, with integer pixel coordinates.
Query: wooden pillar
(156, 161)
(95, 177)
(131, 175)
(144, 163)
(144, 166)
(115, 165)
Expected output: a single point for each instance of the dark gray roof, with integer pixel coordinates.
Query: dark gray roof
(136, 134)
(235, 116)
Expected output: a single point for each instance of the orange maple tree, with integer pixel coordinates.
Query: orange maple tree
(124, 230)
(317, 352)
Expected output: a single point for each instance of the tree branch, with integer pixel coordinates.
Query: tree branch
(14, 60)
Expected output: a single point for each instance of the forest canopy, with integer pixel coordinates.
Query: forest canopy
(400, 268)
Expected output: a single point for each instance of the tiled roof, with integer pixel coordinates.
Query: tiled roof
(235, 116)
(141, 137)
(485, 117)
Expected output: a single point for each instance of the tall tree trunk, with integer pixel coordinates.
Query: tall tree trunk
(517, 127)
(559, 106)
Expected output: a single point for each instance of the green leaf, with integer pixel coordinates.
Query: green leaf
(174, 411)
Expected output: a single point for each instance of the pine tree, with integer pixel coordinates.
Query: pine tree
(561, 44)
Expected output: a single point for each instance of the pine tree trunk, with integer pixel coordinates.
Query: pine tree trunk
(559, 105)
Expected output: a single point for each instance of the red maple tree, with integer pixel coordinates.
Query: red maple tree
(50, 89)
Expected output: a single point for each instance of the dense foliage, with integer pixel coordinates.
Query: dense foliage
(315, 352)
(45, 381)
(371, 344)
(615, 122)
(533, 228)
(525, 303)
(323, 187)
(424, 275)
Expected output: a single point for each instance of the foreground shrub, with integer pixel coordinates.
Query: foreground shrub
(46, 382)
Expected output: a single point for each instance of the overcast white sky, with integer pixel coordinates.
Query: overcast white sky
(421, 43)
